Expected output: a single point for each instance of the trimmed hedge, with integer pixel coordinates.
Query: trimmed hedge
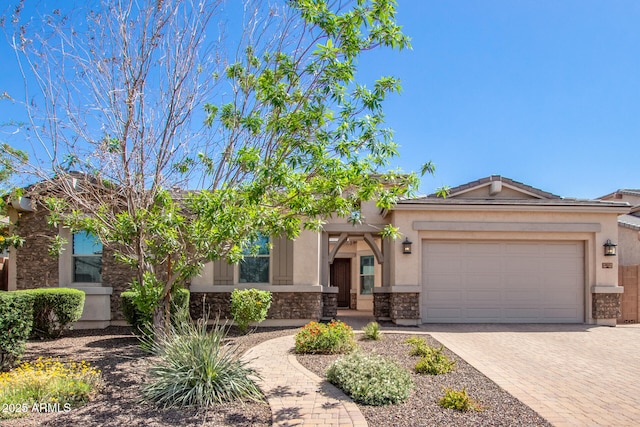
(133, 316)
(54, 310)
(16, 321)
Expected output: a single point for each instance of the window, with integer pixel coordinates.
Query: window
(255, 268)
(366, 274)
(87, 258)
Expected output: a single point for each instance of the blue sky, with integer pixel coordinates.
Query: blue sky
(546, 92)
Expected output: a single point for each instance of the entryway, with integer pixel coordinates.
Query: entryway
(340, 277)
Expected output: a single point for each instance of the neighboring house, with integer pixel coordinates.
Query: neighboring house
(494, 251)
(628, 226)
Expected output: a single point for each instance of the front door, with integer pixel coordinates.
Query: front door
(341, 277)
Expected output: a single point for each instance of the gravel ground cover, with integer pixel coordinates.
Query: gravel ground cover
(422, 409)
(116, 352)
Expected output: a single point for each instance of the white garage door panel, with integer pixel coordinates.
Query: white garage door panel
(504, 282)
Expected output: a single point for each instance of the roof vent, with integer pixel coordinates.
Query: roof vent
(496, 187)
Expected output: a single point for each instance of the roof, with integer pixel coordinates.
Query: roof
(496, 190)
(629, 221)
(621, 192)
(497, 178)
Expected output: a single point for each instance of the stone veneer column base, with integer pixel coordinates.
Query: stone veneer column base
(329, 305)
(400, 304)
(606, 308)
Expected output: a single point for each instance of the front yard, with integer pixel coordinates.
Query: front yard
(116, 352)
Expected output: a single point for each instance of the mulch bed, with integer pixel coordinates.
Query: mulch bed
(422, 409)
(116, 352)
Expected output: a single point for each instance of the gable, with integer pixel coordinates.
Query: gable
(494, 190)
(498, 187)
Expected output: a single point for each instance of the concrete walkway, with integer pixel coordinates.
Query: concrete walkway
(570, 374)
(298, 397)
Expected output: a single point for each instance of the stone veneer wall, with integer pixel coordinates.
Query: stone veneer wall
(606, 306)
(117, 276)
(284, 305)
(405, 305)
(211, 304)
(329, 305)
(35, 268)
(382, 305)
(353, 300)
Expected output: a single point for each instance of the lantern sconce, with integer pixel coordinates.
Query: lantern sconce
(406, 246)
(609, 248)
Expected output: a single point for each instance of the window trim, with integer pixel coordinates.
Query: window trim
(269, 266)
(73, 257)
(362, 276)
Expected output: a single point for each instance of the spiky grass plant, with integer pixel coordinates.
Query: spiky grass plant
(371, 331)
(195, 367)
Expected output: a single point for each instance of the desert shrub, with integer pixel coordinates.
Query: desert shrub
(458, 400)
(419, 347)
(314, 337)
(47, 382)
(16, 321)
(139, 303)
(372, 331)
(249, 305)
(371, 379)
(195, 367)
(435, 363)
(432, 360)
(54, 310)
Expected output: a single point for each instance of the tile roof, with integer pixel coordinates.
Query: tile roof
(544, 198)
(536, 191)
(629, 221)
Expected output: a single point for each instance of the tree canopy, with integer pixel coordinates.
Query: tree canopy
(267, 123)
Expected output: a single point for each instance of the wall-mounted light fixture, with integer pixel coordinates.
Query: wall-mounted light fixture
(406, 246)
(609, 248)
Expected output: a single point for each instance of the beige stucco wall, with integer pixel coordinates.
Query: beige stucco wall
(628, 246)
(306, 268)
(464, 223)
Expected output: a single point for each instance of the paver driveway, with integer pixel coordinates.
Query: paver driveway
(572, 375)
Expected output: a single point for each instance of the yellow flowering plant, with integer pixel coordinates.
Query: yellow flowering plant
(48, 381)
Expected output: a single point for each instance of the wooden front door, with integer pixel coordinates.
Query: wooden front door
(341, 277)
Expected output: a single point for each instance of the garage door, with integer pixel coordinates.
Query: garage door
(504, 282)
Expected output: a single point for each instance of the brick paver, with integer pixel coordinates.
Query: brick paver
(570, 374)
(297, 396)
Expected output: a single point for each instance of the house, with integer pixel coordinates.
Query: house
(628, 226)
(629, 254)
(494, 251)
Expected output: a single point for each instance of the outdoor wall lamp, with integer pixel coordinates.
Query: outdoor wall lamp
(406, 246)
(609, 248)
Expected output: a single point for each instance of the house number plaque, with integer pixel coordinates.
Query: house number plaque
(607, 265)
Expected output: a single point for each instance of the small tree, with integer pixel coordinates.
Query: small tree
(290, 136)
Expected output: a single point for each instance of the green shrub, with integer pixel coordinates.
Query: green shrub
(432, 360)
(139, 303)
(54, 310)
(195, 367)
(371, 379)
(419, 347)
(372, 331)
(16, 321)
(458, 400)
(336, 337)
(249, 305)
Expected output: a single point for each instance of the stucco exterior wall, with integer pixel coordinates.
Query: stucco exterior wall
(465, 223)
(628, 246)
